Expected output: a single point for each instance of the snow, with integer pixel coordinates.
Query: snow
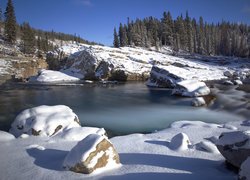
(180, 142)
(4, 136)
(5, 66)
(208, 147)
(191, 88)
(44, 119)
(245, 169)
(46, 76)
(78, 133)
(143, 156)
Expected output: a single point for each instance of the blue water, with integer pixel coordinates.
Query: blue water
(121, 109)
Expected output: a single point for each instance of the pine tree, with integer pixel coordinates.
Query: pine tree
(123, 35)
(167, 29)
(1, 20)
(189, 32)
(116, 39)
(28, 39)
(10, 23)
(1, 15)
(201, 36)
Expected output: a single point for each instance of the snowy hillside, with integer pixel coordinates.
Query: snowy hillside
(100, 62)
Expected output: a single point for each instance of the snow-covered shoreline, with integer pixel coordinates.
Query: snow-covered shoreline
(143, 156)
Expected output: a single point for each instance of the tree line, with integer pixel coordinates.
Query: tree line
(186, 33)
(32, 40)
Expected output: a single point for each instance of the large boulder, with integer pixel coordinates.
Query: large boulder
(234, 146)
(191, 88)
(84, 63)
(160, 77)
(244, 173)
(93, 153)
(44, 121)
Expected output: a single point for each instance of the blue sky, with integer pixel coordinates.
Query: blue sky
(94, 20)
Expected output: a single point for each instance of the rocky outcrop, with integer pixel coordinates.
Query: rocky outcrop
(235, 147)
(20, 69)
(92, 153)
(160, 77)
(56, 60)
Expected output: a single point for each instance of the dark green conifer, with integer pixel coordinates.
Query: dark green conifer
(10, 23)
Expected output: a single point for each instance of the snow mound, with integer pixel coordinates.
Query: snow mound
(180, 142)
(90, 154)
(244, 173)
(208, 147)
(4, 136)
(47, 76)
(44, 121)
(191, 88)
(79, 133)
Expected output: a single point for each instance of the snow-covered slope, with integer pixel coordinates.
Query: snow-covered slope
(100, 62)
(143, 156)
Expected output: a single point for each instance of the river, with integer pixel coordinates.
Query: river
(123, 108)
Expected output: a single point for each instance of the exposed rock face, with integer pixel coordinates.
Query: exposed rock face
(20, 68)
(90, 154)
(160, 77)
(44, 121)
(56, 60)
(84, 62)
(244, 173)
(235, 147)
(191, 88)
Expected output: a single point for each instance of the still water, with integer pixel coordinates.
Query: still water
(121, 109)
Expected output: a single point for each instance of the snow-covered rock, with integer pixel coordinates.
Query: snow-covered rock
(244, 173)
(198, 101)
(191, 88)
(44, 121)
(91, 154)
(47, 76)
(180, 142)
(234, 146)
(4, 136)
(237, 82)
